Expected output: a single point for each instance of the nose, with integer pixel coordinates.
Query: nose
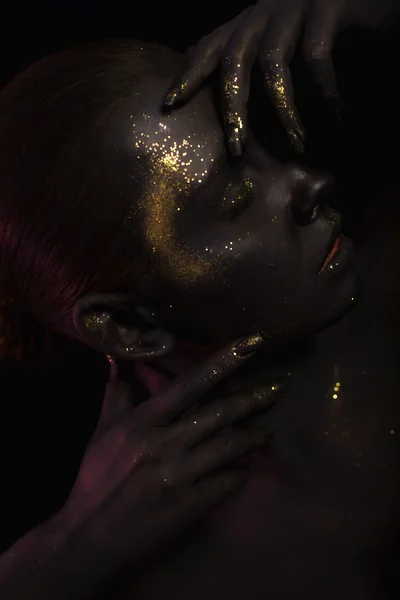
(310, 191)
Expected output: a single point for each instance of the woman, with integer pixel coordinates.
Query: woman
(178, 264)
(183, 227)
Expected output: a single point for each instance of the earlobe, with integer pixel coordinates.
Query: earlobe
(99, 321)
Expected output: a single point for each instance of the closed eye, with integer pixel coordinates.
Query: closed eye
(238, 196)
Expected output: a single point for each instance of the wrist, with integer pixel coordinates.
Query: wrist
(75, 562)
(52, 561)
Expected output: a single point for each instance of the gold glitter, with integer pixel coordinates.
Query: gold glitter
(234, 197)
(96, 320)
(276, 84)
(231, 86)
(235, 119)
(170, 181)
(249, 343)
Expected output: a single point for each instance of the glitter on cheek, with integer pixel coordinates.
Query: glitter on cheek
(171, 180)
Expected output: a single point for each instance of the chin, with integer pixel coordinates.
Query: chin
(339, 304)
(344, 303)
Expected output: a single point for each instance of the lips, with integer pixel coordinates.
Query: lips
(331, 253)
(334, 243)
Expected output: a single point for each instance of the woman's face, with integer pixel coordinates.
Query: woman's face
(238, 245)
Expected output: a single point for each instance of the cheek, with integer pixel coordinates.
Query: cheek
(255, 252)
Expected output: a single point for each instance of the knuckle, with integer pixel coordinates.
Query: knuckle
(204, 48)
(233, 445)
(271, 59)
(316, 50)
(237, 48)
(149, 447)
(261, 395)
(168, 476)
(217, 413)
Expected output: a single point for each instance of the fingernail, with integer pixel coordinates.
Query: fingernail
(296, 140)
(248, 345)
(279, 386)
(171, 97)
(234, 139)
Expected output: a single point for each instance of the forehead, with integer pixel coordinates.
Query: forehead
(188, 141)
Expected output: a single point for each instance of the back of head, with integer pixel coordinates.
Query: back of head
(64, 193)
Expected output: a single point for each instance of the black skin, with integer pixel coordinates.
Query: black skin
(264, 247)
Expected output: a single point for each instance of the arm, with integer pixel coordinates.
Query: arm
(51, 562)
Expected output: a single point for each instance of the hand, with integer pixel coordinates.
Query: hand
(268, 33)
(151, 471)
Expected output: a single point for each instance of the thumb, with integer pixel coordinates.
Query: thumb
(118, 397)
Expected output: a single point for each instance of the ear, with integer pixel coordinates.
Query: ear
(113, 325)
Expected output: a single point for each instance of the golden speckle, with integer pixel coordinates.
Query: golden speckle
(169, 182)
(276, 85)
(247, 344)
(96, 320)
(231, 85)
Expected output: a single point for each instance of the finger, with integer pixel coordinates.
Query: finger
(319, 36)
(117, 397)
(219, 414)
(218, 452)
(275, 55)
(185, 390)
(203, 59)
(236, 67)
(210, 491)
